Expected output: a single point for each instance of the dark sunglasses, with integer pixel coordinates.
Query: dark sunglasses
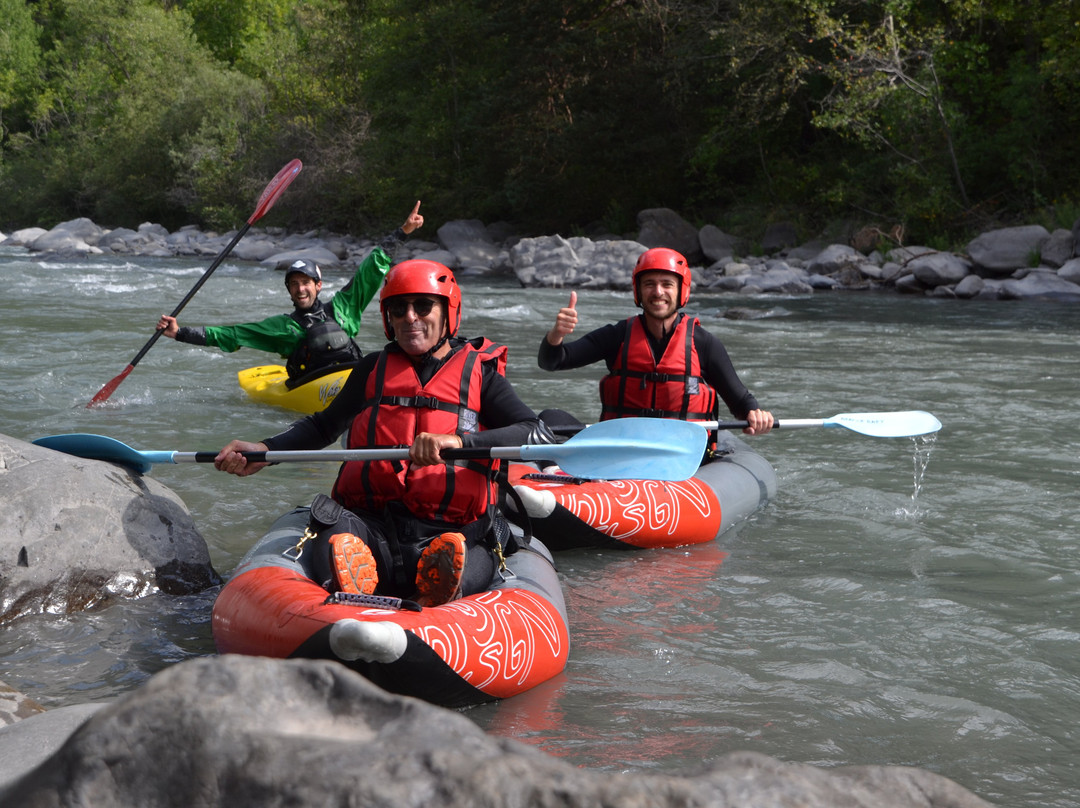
(421, 305)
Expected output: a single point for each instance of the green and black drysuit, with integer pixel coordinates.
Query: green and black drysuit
(311, 339)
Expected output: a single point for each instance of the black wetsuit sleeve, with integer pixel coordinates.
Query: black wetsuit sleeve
(506, 419)
(193, 335)
(603, 343)
(718, 370)
(391, 241)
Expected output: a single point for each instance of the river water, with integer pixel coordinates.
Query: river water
(902, 601)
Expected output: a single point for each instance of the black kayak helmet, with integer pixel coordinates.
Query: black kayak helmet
(305, 267)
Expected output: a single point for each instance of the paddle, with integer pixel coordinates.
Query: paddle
(622, 449)
(904, 424)
(270, 195)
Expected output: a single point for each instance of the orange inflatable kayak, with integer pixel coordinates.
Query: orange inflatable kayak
(567, 513)
(483, 647)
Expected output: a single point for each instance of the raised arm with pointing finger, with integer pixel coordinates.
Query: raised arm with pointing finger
(316, 334)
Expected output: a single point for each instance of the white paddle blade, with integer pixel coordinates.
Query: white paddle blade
(888, 424)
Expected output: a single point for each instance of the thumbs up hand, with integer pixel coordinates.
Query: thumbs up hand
(565, 321)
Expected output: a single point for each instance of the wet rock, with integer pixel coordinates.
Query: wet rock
(76, 534)
(245, 731)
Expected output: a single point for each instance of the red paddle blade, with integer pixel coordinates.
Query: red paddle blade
(271, 193)
(110, 387)
(275, 189)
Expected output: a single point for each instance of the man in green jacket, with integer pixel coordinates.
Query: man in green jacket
(316, 334)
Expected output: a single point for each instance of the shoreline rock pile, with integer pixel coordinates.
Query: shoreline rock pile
(1013, 263)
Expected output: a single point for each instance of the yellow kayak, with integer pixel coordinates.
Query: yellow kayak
(267, 384)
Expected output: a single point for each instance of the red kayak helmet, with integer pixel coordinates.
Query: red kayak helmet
(661, 259)
(420, 277)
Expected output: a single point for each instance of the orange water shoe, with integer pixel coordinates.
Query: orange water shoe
(354, 565)
(442, 564)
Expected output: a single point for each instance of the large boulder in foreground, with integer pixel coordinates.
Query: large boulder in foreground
(249, 731)
(78, 533)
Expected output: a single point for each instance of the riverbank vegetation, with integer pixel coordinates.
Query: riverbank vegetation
(942, 118)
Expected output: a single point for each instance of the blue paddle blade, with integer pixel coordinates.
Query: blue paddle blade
(100, 447)
(629, 449)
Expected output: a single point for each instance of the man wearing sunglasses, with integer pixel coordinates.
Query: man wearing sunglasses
(316, 335)
(662, 362)
(426, 528)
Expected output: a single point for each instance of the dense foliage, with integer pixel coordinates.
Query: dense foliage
(944, 117)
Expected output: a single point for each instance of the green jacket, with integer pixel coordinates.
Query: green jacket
(281, 334)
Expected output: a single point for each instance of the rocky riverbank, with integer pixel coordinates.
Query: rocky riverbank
(1007, 264)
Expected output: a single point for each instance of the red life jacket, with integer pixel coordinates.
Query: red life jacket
(396, 409)
(638, 385)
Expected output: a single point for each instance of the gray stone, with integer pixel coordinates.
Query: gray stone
(320, 255)
(554, 261)
(970, 287)
(246, 731)
(24, 237)
(81, 235)
(822, 282)
(1044, 284)
(805, 252)
(1058, 249)
(834, 258)
(999, 252)
(902, 255)
(779, 281)
(77, 533)
(716, 245)
(890, 271)
(463, 233)
(443, 257)
(908, 283)
(1070, 270)
(469, 242)
(30, 742)
(663, 227)
(939, 269)
(728, 283)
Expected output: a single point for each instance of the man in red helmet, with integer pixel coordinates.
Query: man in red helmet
(425, 528)
(661, 363)
(316, 335)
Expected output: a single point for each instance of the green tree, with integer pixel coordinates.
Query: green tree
(228, 27)
(20, 59)
(312, 64)
(141, 122)
(550, 115)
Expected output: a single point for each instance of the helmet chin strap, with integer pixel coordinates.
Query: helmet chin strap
(421, 358)
(426, 355)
